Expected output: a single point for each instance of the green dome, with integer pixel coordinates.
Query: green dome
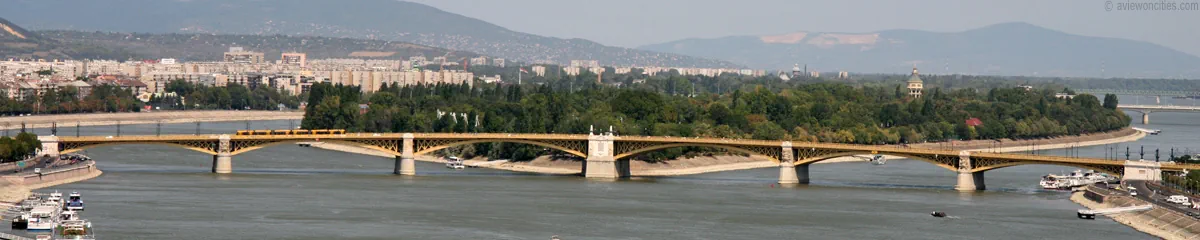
(915, 78)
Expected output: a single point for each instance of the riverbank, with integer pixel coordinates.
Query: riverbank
(707, 164)
(102, 119)
(14, 189)
(1026, 145)
(1159, 222)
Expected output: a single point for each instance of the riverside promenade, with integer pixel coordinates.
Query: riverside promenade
(1159, 221)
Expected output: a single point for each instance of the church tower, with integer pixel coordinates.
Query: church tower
(915, 85)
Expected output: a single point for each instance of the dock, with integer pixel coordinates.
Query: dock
(1091, 214)
(8, 236)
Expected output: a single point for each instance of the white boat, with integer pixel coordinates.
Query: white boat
(55, 197)
(455, 163)
(42, 218)
(77, 229)
(1147, 130)
(74, 202)
(1074, 179)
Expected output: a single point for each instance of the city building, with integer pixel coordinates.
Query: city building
(539, 70)
(585, 63)
(479, 61)
(915, 85)
(294, 58)
(239, 55)
(499, 62)
(843, 75)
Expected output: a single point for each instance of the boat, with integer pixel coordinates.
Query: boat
(74, 202)
(74, 196)
(77, 229)
(454, 163)
(42, 218)
(68, 215)
(20, 222)
(1075, 179)
(938, 214)
(55, 197)
(878, 160)
(1148, 131)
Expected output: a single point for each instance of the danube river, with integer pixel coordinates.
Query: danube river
(290, 192)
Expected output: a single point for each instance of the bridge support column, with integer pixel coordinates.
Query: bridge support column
(49, 146)
(223, 160)
(967, 180)
(600, 162)
(1142, 170)
(404, 163)
(789, 172)
(1145, 118)
(222, 163)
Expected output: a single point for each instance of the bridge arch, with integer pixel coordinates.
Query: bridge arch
(1111, 170)
(772, 157)
(823, 157)
(258, 146)
(439, 145)
(65, 148)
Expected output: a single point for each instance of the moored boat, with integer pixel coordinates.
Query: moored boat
(20, 222)
(455, 163)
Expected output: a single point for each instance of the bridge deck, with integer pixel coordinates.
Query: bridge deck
(879, 149)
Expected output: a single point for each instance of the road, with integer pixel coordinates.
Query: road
(1159, 197)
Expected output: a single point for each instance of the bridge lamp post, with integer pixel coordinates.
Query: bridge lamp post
(76, 128)
(118, 128)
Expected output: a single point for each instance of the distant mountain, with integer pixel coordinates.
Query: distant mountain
(370, 19)
(16, 42)
(1001, 49)
(209, 47)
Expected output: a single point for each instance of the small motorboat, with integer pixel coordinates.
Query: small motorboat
(938, 214)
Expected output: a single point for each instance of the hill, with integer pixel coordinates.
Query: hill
(368, 19)
(16, 42)
(1001, 49)
(209, 47)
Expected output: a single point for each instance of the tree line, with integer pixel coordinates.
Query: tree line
(68, 99)
(23, 146)
(757, 109)
(189, 95)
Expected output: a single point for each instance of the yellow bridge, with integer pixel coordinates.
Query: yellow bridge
(607, 155)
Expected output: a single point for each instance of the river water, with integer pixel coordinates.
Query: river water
(290, 192)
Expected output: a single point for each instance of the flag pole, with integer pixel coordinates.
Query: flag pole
(518, 75)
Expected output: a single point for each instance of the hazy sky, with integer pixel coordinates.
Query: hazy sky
(631, 23)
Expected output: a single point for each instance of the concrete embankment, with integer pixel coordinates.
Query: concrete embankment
(1160, 222)
(100, 119)
(15, 188)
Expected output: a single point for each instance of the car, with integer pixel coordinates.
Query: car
(1132, 193)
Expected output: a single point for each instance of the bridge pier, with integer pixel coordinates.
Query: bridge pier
(222, 163)
(223, 160)
(49, 146)
(1146, 118)
(969, 181)
(600, 162)
(404, 163)
(1142, 170)
(789, 172)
